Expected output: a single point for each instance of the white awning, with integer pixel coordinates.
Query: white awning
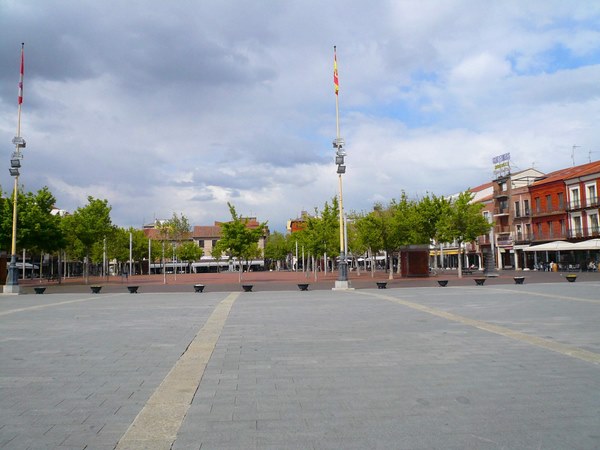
(552, 247)
(592, 244)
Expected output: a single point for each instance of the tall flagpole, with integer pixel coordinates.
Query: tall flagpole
(12, 279)
(342, 281)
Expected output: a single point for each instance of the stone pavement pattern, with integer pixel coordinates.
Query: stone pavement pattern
(410, 368)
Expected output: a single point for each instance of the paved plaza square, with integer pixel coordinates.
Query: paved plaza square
(459, 367)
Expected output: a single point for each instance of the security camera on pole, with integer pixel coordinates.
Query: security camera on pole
(12, 279)
(338, 143)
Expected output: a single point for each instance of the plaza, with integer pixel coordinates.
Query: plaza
(418, 367)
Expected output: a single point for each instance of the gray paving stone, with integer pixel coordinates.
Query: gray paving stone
(319, 371)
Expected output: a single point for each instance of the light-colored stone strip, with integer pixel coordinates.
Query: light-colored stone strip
(557, 347)
(157, 424)
(541, 294)
(50, 305)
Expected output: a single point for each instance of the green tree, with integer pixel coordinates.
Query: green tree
(463, 222)
(38, 230)
(382, 218)
(321, 235)
(431, 209)
(189, 252)
(277, 248)
(366, 232)
(237, 240)
(87, 226)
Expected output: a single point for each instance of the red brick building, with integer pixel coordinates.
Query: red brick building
(557, 211)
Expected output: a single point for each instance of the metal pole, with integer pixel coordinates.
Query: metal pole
(342, 281)
(12, 279)
(130, 252)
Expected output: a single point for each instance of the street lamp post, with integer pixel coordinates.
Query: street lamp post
(338, 143)
(12, 279)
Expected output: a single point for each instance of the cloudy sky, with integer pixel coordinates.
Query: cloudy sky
(183, 106)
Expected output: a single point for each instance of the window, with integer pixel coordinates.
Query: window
(539, 229)
(538, 207)
(591, 198)
(577, 226)
(517, 209)
(574, 197)
(563, 227)
(526, 207)
(561, 201)
(201, 243)
(527, 231)
(594, 225)
(550, 229)
(548, 203)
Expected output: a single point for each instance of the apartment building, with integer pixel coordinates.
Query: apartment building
(582, 202)
(512, 217)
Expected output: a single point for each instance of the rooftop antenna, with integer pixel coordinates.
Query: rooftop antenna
(573, 153)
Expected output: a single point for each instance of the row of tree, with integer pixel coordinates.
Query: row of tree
(89, 235)
(386, 228)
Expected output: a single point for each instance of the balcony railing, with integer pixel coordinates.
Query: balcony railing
(574, 204)
(591, 202)
(585, 232)
(521, 238)
(549, 236)
(547, 211)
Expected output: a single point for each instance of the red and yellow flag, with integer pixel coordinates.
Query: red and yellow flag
(22, 73)
(336, 82)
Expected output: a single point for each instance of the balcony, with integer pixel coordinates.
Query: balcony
(549, 236)
(549, 211)
(501, 211)
(502, 229)
(575, 204)
(584, 232)
(592, 202)
(523, 238)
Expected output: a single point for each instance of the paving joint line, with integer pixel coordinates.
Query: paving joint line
(49, 305)
(157, 424)
(574, 352)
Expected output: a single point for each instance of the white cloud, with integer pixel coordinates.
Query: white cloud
(182, 107)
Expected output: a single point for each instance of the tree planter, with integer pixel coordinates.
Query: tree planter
(381, 284)
(571, 278)
(519, 280)
(198, 287)
(95, 289)
(442, 283)
(479, 281)
(303, 286)
(39, 289)
(247, 287)
(132, 289)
